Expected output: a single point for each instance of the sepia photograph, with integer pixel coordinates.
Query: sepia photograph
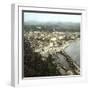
(51, 43)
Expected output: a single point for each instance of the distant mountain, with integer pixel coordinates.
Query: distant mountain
(49, 26)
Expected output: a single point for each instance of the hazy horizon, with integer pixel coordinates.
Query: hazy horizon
(48, 17)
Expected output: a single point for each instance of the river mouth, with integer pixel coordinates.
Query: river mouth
(51, 53)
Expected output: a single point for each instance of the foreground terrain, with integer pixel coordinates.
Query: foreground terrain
(51, 53)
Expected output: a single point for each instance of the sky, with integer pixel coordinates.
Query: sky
(48, 17)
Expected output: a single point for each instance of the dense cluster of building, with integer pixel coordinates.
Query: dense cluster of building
(50, 42)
